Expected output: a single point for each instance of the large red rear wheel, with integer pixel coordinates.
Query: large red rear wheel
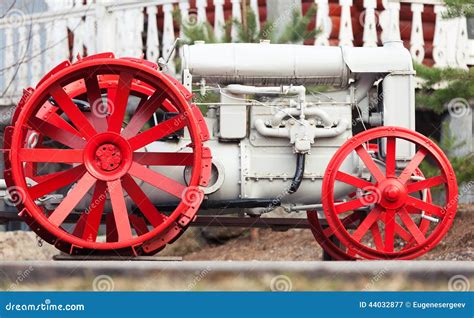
(89, 150)
(399, 224)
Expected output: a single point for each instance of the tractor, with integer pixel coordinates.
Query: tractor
(114, 156)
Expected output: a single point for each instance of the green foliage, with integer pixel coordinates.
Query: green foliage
(462, 166)
(209, 96)
(458, 8)
(451, 84)
(297, 30)
(194, 30)
(247, 33)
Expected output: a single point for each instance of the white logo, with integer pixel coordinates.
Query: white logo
(103, 283)
(459, 283)
(281, 283)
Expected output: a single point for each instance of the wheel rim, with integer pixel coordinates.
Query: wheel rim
(324, 235)
(105, 158)
(389, 197)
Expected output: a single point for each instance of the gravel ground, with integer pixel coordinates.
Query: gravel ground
(300, 245)
(256, 244)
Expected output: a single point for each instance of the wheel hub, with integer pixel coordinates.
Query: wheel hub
(108, 157)
(393, 193)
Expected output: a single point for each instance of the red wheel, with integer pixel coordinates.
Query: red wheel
(325, 236)
(85, 153)
(390, 198)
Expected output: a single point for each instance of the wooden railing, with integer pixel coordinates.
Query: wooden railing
(34, 43)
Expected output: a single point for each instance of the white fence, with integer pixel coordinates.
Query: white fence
(31, 44)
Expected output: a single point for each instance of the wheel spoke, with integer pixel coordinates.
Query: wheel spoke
(164, 158)
(143, 114)
(169, 106)
(424, 225)
(389, 230)
(390, 160)
(328, 232)
(62, 136)
(411, 167)
(425, 184)
(95, 101)
(157, 180)
(377, 236)
(138, 224)
(159, 131)
(124, 231)
(110, 228)
(351, 252)
(354, 204)
(365, 225)
(72, 111)
(56, 181)
(400, 231)
(31, 169)
(411, 226)
(348, 220)
(354, 181)
(120, 101)
(79, 228)
(96, 209)
(49, 114)
(142, 201)
(45, 177)
(370, 164)
(50, 155)
(421, 205)
(72, 199)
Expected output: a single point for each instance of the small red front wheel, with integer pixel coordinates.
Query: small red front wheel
(399, 224)
(335, 249)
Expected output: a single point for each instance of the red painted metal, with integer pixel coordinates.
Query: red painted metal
(102, 155)
(389, 197)
(339, 252)
(324, 237)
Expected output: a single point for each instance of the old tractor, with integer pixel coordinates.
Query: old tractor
(114, 156)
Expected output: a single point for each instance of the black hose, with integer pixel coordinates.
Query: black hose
(299, 173)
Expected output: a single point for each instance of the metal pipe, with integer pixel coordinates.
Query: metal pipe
(284, 132)
(265, 64)
(363, 86)
(299, 173)
(271, 132)
(277, 90)
(334, 131)
(306, 207)
(311, 111)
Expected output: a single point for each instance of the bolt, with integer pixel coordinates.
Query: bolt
(392, 193)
